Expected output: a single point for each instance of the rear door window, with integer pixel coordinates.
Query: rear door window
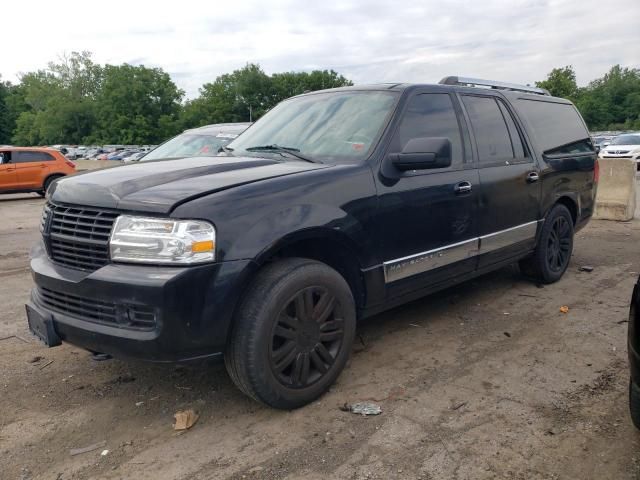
(490, 130)
(27, 157)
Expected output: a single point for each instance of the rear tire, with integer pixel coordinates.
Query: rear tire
(551, 257)
(634, 403)
(292, 333)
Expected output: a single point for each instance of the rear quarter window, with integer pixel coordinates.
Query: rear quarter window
(554, 125)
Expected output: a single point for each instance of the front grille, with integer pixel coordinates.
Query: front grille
(618, 156)
(136, 317)
(78, 237)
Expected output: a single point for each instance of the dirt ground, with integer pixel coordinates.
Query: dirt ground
(485, 380)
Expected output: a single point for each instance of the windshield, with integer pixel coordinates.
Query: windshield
(190, 145)
(324, 127)
(626, 140)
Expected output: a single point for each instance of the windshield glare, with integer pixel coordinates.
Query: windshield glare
(626, 140)
(326, 126)
(189, 145)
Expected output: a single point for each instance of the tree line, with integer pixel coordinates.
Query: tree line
(608, 103)
(76, 101)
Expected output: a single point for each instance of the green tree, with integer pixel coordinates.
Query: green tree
(248, 93)
(136, 105)
(561, 82)
(6, 125)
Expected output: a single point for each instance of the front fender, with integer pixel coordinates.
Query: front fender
(300, 222)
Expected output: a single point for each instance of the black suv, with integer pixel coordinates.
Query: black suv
(334, 206)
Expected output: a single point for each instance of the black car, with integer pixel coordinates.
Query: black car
(633, 350)
(206, 141)
(334, 206)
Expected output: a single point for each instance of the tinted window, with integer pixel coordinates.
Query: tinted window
(514, 133)
(490, 129)
(583, 146)
(553, 124)
(430, 115)
(25, 157)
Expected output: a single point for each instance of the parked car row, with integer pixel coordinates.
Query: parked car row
(623, 146)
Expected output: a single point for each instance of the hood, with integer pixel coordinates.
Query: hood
(162, 185)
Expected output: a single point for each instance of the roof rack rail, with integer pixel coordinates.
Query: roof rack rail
(493, 84)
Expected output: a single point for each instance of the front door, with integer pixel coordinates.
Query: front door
(427, 219)
(509, 206)
(8, 176)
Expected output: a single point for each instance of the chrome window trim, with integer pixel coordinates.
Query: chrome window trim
(422, 262)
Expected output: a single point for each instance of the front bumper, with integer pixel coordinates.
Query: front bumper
(191, 306)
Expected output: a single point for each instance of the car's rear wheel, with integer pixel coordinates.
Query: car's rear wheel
(292, 333)
(634, 403)
(555, 245)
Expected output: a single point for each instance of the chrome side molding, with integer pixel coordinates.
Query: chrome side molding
(422, 262)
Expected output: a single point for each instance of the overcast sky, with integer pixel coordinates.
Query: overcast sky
(367, 41)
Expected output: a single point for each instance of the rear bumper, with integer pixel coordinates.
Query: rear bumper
(191, 307)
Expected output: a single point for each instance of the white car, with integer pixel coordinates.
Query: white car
(626, 145)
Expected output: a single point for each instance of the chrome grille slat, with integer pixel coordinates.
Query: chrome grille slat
(78, 237)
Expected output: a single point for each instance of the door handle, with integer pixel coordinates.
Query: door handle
(532, 177)
(462, 188)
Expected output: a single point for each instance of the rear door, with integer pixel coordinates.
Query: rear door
(509, 206)
(427, 219)
(8, 176)
(32, 167)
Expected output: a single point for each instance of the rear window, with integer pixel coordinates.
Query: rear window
(26, 157)
(554, 125)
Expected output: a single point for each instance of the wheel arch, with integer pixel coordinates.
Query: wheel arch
(325, 245)
(52, 176)
(571, 204)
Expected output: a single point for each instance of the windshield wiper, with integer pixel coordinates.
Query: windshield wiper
(280, 149)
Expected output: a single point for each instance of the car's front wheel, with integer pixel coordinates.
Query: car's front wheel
(292, 333)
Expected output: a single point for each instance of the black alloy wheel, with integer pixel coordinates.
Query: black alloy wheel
(559, 244)
(292, 333)
(306, 338)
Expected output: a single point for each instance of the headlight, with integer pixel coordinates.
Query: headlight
(162, 241)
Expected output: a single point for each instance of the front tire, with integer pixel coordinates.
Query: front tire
(555, 246)
(292, 333)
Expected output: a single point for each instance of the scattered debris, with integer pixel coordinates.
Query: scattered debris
(458, 406)
(527, 295)
(414, 325)
(256, 469)
(46, 364)
(564, 309)
(104, 453)
(36, 359)
(620, 322)
(362, 408)
(586, 268)
(90, 448)
(139, 404)
(506, 313)
(507, 334)
(100, 357)
(183, 388)
(185, 419)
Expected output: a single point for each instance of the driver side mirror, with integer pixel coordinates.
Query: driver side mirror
(423, 153)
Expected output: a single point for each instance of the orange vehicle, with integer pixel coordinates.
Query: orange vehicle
(31, 169)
